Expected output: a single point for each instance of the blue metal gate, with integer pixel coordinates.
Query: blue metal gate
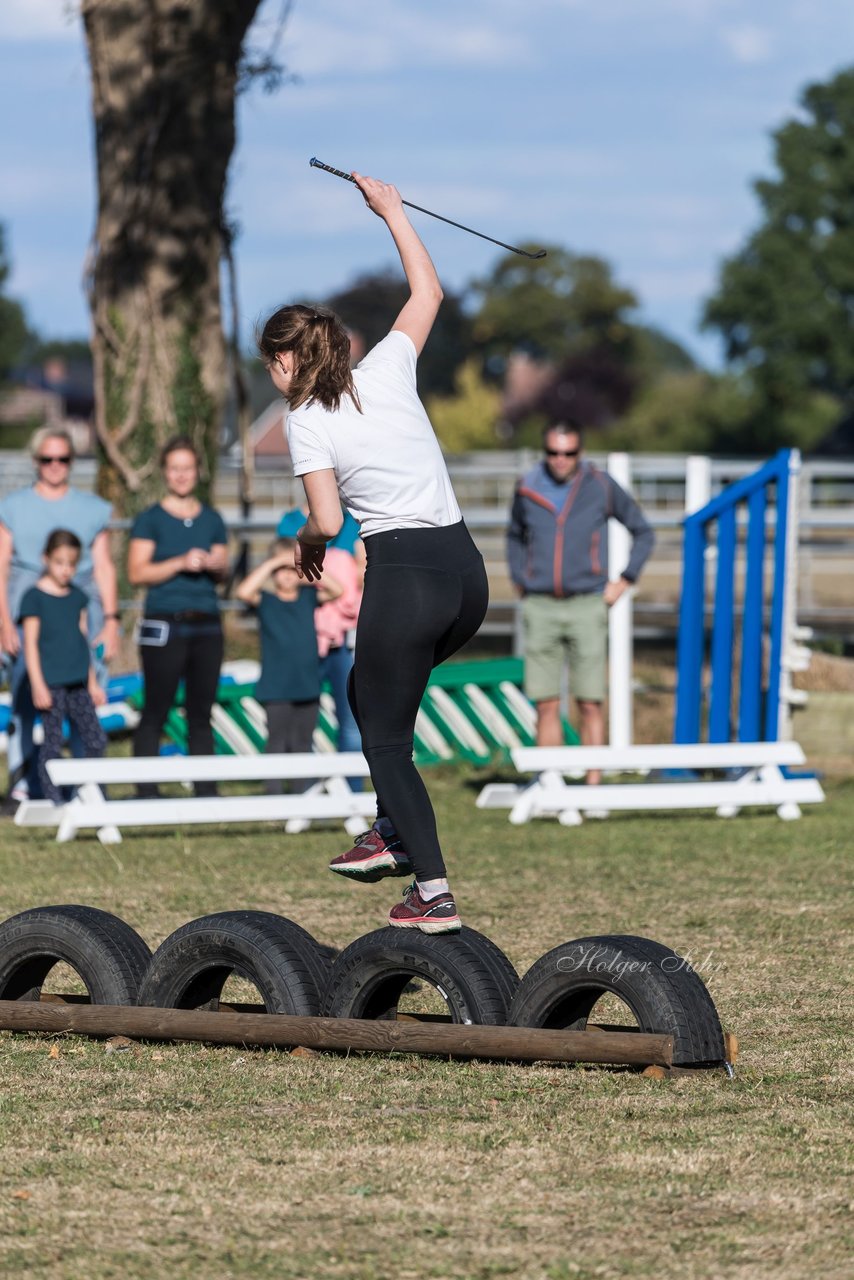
(758, 709)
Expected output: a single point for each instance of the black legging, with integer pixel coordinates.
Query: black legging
(192, 652)
(426, 594)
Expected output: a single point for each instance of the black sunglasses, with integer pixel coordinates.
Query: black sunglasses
(46, 458)
(562, 453)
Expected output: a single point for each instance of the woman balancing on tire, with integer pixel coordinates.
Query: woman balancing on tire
(364, 435)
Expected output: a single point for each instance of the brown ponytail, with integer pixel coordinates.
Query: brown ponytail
(321, 349)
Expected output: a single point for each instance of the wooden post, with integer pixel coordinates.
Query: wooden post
(280, 1030)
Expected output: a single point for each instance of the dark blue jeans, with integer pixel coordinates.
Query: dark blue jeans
(335, 668)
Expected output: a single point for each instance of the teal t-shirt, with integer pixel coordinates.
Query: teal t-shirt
(173, 537)
(30, 518)
(63, 648)
(290, 664)
(348, 535)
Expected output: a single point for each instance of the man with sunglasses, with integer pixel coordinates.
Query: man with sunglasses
(557, 551)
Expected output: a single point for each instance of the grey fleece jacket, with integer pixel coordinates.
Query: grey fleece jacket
(563, 550)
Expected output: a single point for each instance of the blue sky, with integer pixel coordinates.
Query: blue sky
(627, 128)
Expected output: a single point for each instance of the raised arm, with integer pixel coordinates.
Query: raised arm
(249, 590)
(417, 317)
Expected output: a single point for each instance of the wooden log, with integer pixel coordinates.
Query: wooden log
(452, 1040)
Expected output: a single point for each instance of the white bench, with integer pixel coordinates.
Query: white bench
(329, 797)
(761, 783)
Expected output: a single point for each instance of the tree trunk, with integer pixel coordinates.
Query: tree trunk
(164, 76)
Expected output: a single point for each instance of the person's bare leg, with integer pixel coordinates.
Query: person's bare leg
(549, 726)
(592, 732)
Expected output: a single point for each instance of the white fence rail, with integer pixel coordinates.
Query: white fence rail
(484, 483)
(661, 483)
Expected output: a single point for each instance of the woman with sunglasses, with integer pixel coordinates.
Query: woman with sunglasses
(27, 517)
(362, 437)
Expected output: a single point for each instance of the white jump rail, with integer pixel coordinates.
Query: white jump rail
(329, 796)
(762, 781)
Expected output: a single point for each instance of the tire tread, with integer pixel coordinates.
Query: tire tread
(278, 956)
(109, 956)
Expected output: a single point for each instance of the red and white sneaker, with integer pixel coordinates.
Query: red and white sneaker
(436, 915)
(373, 857)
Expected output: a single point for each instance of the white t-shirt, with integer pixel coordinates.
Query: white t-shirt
(387, 461)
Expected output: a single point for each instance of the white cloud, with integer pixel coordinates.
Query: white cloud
(748, 44)
(333, 37)
(39, 20)
(613, 12)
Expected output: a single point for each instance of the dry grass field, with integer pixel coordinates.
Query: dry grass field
(182, 1160)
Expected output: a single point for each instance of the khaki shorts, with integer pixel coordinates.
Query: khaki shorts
(574, 630)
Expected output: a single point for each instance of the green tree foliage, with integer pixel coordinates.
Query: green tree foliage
(686, 412)
(552, 307)
(656, 353)
(702, 412)
(370, 306)
(14, 333)
(74, 350)
(567, 310)
(468, 418)
(785, 303)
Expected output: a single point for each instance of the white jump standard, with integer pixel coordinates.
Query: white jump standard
(329, 798)
(762, 782)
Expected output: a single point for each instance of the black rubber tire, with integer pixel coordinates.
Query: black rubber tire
(318, 955)
(369, 977)
(504, 973)
(190, 968)
(109, 956)
(661, 990)
(495, 961)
